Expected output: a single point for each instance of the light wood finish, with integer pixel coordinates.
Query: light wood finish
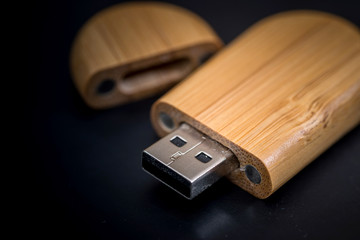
(142, 48)
(278, 96)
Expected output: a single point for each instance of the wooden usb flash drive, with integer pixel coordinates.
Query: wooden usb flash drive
(261, 109)
(134, 50)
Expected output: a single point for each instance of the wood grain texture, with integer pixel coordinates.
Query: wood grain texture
(278, 96)
(141, 47)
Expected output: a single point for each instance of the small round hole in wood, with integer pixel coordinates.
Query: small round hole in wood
(252, 174)
(106, 86)
(166, 121)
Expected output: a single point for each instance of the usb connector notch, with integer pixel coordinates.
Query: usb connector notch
(188, 161)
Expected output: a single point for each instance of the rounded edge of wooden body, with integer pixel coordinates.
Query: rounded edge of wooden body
(144, 48)
(338, 118)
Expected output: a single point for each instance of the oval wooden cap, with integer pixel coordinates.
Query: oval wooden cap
(134, 50)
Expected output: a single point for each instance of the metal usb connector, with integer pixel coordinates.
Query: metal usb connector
(188, 161)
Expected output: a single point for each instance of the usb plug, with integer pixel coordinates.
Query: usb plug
(188, 161)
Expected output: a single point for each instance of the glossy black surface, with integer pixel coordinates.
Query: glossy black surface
(84, 176)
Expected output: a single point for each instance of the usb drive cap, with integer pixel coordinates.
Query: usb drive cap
(188, 161)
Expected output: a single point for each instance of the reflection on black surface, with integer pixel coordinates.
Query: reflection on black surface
(212, 223)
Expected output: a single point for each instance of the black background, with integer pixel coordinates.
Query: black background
(85, 177)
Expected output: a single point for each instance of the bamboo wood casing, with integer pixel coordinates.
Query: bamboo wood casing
(134, 50)
(278, 96)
